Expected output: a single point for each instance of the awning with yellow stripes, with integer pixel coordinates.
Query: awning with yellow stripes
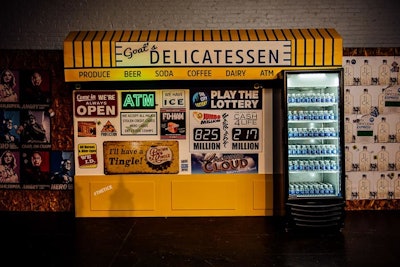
(197, 54)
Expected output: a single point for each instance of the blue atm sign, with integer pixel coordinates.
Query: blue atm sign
(138, 100)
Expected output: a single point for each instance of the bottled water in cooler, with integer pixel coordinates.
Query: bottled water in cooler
(311, 189)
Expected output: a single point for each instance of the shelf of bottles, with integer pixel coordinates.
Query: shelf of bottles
(313, 142)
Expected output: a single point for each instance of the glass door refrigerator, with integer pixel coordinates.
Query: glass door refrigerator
(313, 153)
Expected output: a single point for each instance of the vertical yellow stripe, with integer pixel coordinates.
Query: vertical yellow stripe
(97, 53)
(338, 47)
(328, 48)
(279, 35)
(319, 48)
(162, 36)
(243, 35)
(180, 35)
(309, 48)
(153, 36)
(252, 35)
(216, 34)
(270, 35)
(106, 49)
(125, 36)
(87, 50)
(261, 35)
(117, 36)
(189, 36)
(69, 50)
(135, 36)
(298, 49)
(225, 35)
(292, 39)
(144, 36)
(234, 35)
(78, 49)
(171, 36)
(198, 35)
(207, 35)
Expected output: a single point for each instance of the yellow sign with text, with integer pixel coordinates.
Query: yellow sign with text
(171, 73)
(128, 157)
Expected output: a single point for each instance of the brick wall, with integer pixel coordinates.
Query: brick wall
(44, 24)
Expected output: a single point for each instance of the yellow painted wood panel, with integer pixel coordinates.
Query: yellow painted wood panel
(78, 49)
(97, 55)
(209, 194)
(121, 195)
(69, 50)
(87, 50)
(173, 195)
(319, 47)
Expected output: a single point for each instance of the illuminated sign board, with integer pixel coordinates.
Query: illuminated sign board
(197, 55)
(138, 100)
(151, 54)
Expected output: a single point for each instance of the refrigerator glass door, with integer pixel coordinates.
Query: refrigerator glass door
(314, 128)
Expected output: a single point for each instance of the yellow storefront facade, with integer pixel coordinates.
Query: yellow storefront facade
(180, 122)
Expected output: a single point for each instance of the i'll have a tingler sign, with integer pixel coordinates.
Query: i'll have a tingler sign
(129, 157)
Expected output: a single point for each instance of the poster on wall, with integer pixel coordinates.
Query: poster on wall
(25, 133)
(226, 120)
(372, 127)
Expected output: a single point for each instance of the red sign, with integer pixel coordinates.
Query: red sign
(95, 103)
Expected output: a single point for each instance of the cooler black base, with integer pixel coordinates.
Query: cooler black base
(313, 215)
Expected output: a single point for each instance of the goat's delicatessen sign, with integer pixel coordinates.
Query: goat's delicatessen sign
(125, 157)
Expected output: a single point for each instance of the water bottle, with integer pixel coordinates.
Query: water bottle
(295, 132)
(306, 190)
(304, 150)
(296, 189)
(330, 189)
(316, 115)
(290, 166)
(333, 98)
(300, 132)
(320, 115)
(318, 98)
(290, 132)
(321, 165)
(315, 132)
(301, 115)
(306, 115)
(311, 189)
(291, 189)
(331, 115)
(327, 165)
(297, 98)
(295, 116)
(290, 98)
(305, 132)
(301, 166)
(301, 189)
(326, 115)
(317, 166)
(308, 98)
(323, 150)
(302, 98)
(333, 165)
(333, 132)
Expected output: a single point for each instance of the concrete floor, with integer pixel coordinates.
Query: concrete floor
(369, 238)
